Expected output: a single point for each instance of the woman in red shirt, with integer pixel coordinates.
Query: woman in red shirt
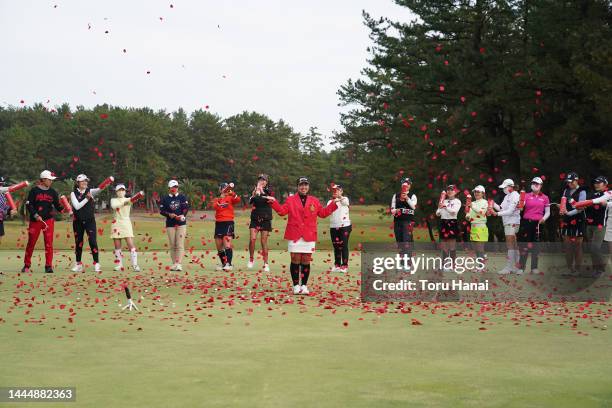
(301, 232)
(224, 223)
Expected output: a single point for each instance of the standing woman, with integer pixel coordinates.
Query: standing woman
(536, 211)
(175, 207)
(596, 221)
(261, 220)
(340, 229)
(224, 223)
(84, 221)
(122, 228)
(301, 232)
(403, 205)
(511, 218)
(477, 216)
(573, 223)
(449, 229)
(42, 203)
(5, 210)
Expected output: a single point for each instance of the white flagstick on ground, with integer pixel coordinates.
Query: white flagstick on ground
(130, 305)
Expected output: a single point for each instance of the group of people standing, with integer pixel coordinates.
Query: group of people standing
(522, 216)
(302, 211)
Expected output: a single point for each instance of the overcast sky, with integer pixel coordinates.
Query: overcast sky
(284, 58)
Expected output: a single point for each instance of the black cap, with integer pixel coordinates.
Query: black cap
(451, 187)
(263, 176)
(302, 180)
(406, 180)
(338, 186)
(571, 176)
(600, 179)
(223, 186)
(2, 180)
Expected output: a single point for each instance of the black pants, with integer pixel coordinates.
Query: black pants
(403, 235)
(528, 237)
(80, 228)
(340, 240)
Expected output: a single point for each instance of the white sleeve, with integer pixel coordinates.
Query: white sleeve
(496, 206)
(412, 202)
(438, 212)
(599, 200)
(510, 209)
(94, 191)
(393, 203)
(546, 213)
(3, 189)
(76, 204)
(344, 201)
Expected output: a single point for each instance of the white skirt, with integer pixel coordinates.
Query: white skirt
(301, 247)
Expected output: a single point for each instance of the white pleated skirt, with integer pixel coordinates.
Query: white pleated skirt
(301, 247)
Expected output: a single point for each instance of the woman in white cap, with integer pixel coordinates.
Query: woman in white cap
(511, 218)
(477, 216)
(84, 221)
(340, 229)
(175, 207)
(536, 211)
(43, 202)
(122, 228)
(449, 229)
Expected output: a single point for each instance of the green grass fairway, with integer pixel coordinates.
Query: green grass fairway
(206, 338)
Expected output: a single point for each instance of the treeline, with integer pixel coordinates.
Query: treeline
(144, 148)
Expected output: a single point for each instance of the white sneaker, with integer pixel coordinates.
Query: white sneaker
(334, 269)
(227, 267)
(118, 267)
(250, 265)
(519, 271)
(173, 267)
(178, 267)
(266, 268)
(535, 271)
(219, 268)
(78, 267)
(97, 267)
(505, 271)
(136, 268)
(297, 289)
(305, 290)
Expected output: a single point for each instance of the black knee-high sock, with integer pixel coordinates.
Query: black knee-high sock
(230, 254)
(305, 271)
(222, 256)
(295, 273)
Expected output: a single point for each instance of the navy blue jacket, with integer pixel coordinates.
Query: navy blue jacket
(178, 205)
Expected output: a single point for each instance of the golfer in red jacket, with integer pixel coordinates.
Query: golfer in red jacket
(301, 232)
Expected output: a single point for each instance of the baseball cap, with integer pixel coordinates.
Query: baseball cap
(46, 174)
(571, 176)
(479, 188)
(302, 180)
(406, 180)
(82, 177)
(337, 186)
(600, 179)
(120, 187)
(507, 183)
(537, 180)
(263, 176)
(451, 187)
(173, 183)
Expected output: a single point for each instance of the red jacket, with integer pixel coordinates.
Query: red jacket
(224, 207)
(302, 220)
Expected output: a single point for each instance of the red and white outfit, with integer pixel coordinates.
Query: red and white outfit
(301, 231)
